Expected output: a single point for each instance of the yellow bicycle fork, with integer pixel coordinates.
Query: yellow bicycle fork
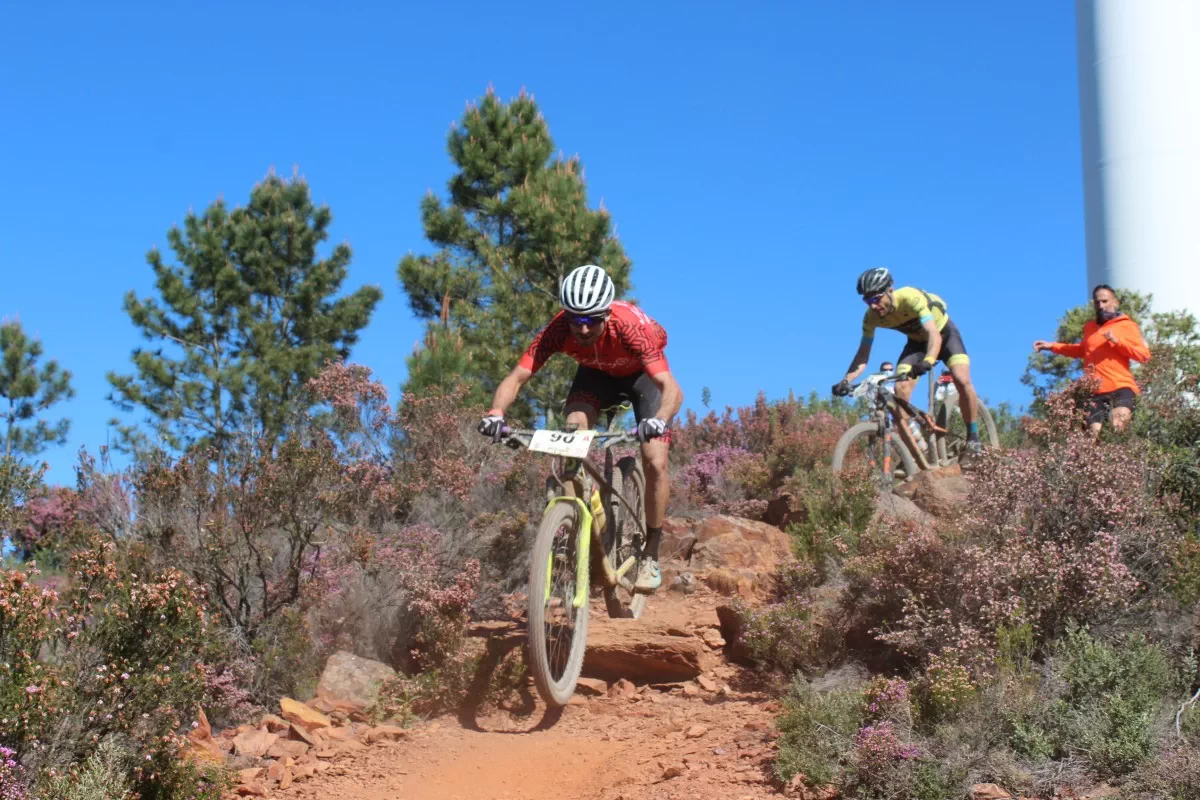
(592, 521)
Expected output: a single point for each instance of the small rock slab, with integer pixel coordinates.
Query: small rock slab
(255, 743)
(304, 716)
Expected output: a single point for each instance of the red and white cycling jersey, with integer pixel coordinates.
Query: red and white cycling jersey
(632, 342)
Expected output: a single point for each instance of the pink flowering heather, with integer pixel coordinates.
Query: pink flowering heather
(876, 748)
(737, 461)
(1068, 530)
(362, 417)
(440, 454)
(12, 777)
(888, 699)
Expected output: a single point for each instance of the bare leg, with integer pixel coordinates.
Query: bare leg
(658, 488)
(1120, 418)
(582, 415)
(654, 463)
(961, 373)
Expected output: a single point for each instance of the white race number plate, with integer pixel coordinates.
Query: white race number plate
(559, 443)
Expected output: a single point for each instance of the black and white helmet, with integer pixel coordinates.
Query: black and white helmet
(874, 281)
(587, 290)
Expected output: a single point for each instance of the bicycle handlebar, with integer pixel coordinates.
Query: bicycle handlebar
(608, 438)
(905, 376)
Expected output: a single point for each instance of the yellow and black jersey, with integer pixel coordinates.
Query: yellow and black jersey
(911, 309)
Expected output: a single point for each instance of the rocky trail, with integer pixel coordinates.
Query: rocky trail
(661, 713)
(706, 737)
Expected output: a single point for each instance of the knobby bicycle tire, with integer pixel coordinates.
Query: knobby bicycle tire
(554, 662)
(870, 430)
(630, 482)
(941, 416)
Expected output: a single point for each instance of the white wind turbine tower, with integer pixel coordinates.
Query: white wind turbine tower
(1139, 91)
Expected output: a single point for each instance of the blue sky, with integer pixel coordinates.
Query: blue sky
(755, 157)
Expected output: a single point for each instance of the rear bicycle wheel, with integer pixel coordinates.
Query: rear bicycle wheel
(557, 630)
(623, 540)
(862, 443)
(948, 415)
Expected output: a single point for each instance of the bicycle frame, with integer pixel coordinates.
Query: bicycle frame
(887, 409)
(593, 516)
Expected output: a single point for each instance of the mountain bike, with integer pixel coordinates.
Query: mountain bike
(593, 532)
(897, 446)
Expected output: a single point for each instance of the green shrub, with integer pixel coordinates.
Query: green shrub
(1103, 710)
(104, 776)
(115, 658)
(834, 512)
(786, 635)
(816, 732)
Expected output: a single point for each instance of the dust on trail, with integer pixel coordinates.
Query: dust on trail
(671, 742)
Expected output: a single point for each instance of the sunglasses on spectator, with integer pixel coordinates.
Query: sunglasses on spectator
(591, 319)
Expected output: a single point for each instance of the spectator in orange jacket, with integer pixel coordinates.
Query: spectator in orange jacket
(1109, 343)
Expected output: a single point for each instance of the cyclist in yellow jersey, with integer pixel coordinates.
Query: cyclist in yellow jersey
(932, 337)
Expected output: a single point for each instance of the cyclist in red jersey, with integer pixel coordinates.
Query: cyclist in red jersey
(620, 354)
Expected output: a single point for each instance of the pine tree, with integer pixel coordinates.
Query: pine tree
(516, 223)
(442, 360)
(244, 319)
(26, 391)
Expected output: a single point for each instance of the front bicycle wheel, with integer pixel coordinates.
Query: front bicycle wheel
(557, 629)
(863, 444)
(623, 541)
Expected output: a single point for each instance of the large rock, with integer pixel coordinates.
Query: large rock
(900, 508)
(678, 539)
(351, 683)
(942, 492)
(730, 554)
(647, 657)
(652, 650)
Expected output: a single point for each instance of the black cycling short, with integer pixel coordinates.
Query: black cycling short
(602, 391)
(953, 350)
(1102, 404)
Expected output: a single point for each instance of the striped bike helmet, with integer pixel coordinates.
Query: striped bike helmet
(587, 290)
(874, 281)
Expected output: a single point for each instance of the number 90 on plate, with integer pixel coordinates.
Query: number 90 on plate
(562, 443)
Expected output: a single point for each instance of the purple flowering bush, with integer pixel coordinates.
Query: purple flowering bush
(858, 743)
(12, 776)
(737, 461)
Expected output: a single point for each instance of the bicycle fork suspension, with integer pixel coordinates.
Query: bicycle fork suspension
(583, 549)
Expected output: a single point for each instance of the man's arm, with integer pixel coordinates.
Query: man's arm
(508, 389)
(672, 395)
(1130, 343)
(1066, 349)
(935, 340)
(859, 362)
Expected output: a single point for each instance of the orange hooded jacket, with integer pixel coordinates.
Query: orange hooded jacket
(1108, 361)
